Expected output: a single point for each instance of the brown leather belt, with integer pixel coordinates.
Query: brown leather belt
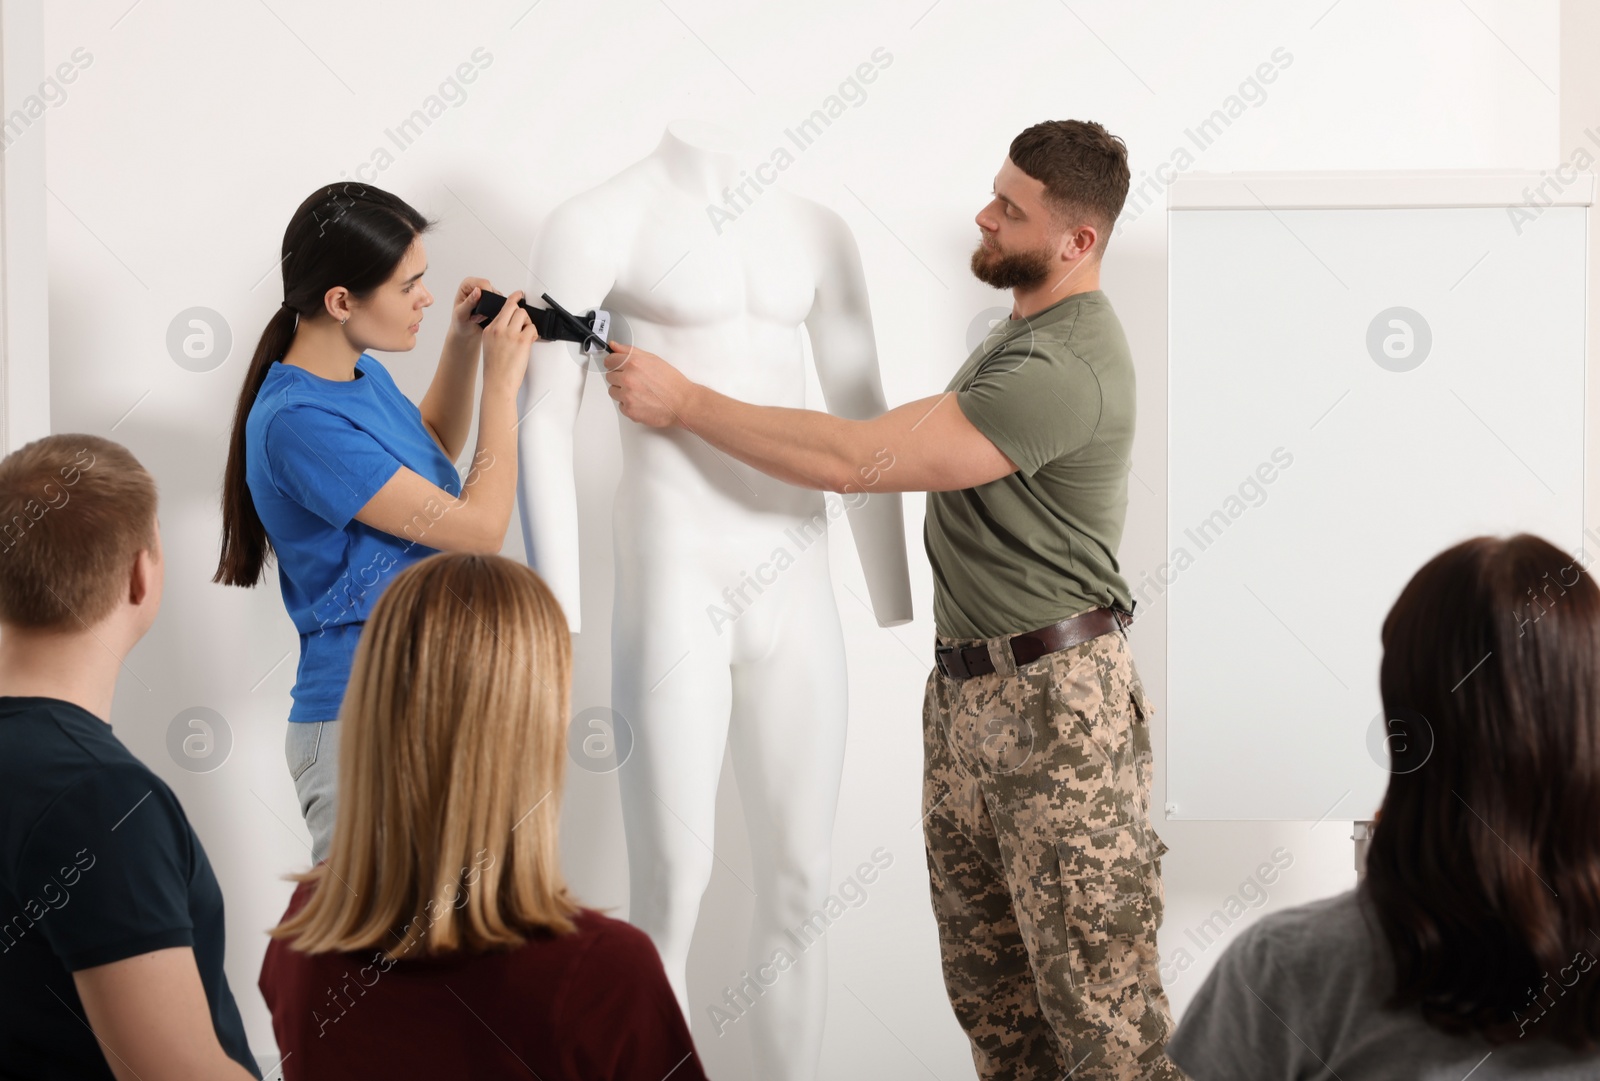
(963, 662)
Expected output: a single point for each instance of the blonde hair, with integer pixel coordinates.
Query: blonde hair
(450, 768)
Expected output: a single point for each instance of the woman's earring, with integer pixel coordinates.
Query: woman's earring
(345, 320)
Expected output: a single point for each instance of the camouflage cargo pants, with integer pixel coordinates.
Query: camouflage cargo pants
(1044, 868)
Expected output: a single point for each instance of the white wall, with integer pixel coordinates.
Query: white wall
(24, 303)
(1580, 141)
(183, 146)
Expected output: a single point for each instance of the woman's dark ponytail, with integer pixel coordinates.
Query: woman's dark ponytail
(346, 234)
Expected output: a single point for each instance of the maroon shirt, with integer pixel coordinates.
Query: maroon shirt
(590, 1006)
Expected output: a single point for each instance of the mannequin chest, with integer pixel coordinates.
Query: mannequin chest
(680, 272)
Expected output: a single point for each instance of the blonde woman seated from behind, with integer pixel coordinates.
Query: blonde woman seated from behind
(438, 938)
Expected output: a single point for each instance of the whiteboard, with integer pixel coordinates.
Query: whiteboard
(1418, 371)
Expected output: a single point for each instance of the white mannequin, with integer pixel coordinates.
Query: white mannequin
(696, 663)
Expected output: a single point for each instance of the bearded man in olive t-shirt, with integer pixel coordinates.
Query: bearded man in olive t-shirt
(1044, 868)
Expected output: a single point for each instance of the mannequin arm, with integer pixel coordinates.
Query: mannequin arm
(840, 326)
(570, 262)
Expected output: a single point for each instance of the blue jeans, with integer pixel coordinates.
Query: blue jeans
(312, 750)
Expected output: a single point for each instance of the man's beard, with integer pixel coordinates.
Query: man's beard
(1011, 270)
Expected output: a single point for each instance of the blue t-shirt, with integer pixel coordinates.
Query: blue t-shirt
(316, 451)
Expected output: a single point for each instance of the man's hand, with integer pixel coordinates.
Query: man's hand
(647, 389)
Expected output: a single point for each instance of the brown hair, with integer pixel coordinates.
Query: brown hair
(1084, 170)
(1484, 868)
(346, 234)
(75, 512)
(450, 767)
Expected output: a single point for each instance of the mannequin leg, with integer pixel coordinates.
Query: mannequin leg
(787, 737)
(669, 782)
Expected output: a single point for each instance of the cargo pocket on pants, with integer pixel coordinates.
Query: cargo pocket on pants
(1111, 901)
(1141, 702)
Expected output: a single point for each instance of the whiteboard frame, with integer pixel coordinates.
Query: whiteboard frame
(1363, 190)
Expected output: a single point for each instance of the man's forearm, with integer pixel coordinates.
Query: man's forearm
(803, 447)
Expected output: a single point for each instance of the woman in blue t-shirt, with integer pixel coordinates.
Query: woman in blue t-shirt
(337, 472)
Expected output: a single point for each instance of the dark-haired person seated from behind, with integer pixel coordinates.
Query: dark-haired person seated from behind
(1470, 947)
(438, 938)
(110, 917)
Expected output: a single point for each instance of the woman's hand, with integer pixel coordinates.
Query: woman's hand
(467, 294)
(506, 343)
(647, 389)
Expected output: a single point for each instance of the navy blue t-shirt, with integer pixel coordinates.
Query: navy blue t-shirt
(97, 864)
(316, 451)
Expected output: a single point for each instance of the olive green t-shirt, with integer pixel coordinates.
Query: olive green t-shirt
(1055, 393)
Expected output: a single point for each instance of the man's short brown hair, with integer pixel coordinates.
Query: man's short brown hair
(1084, 170)
(75, 511)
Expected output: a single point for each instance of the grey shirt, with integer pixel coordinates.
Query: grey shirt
(1298, 996)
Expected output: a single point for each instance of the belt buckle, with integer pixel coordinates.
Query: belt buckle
(949, 660)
